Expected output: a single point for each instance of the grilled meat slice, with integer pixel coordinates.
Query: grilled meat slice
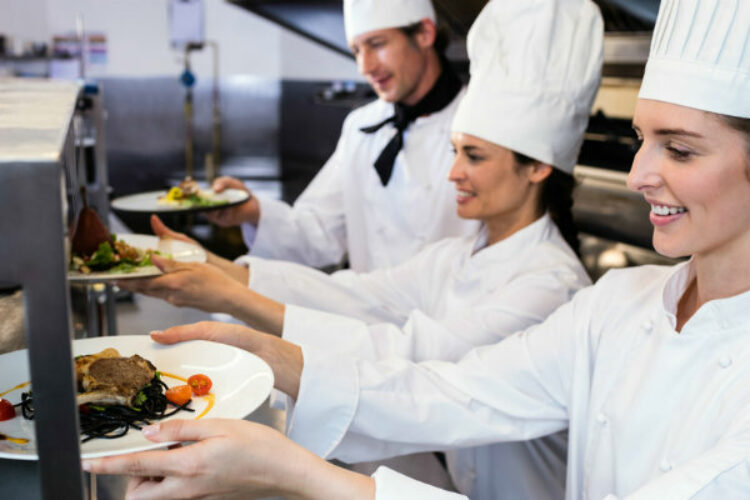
(106, 378)
(83, 362)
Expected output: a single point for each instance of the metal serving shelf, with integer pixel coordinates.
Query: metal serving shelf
(37, 147)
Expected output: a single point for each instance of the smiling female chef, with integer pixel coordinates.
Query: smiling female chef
(649, 369)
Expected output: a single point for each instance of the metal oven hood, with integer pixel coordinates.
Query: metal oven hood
(322, 20)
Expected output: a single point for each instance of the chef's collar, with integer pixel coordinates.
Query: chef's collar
(445, 89)
(509, 247)
(718, 314)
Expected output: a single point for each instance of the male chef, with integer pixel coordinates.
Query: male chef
(383, 194)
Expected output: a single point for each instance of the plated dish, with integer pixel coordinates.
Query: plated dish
(180, 251)
(187, 197)
(241, 382)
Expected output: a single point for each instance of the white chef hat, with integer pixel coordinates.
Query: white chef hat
(535, 69)
(362, 16)
(700, 56)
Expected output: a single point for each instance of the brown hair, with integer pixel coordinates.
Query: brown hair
(741, 125)
(442, 36)
(557, 200)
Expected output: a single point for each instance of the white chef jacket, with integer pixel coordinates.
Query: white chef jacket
(448, 299)
(652, 414)
(346, 209)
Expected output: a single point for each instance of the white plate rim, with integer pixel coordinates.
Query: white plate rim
(130, 202)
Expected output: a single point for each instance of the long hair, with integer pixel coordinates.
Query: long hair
(557, 199)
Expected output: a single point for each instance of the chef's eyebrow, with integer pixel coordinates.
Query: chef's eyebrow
(671, 131)
(677, 131)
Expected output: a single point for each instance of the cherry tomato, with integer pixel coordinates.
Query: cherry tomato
(179, 394)
(6, 410)
(200, 384)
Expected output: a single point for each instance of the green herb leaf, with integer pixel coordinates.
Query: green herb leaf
(139, 399)
(103, 257)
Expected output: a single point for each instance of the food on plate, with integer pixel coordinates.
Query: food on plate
(189, 194)
(94, 249)
(116, 393)
(200, 384)
(7, 411)
(108, 379)
(113, 256)
(89, 233)
(179, 395)
(3, 437)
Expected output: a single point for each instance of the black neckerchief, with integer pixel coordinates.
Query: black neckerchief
(447, 86)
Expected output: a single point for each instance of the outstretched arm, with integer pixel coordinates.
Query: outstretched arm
(230, 459)
(206, 287)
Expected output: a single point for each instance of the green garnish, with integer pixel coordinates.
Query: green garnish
(103, 257)
(140, 398)
(196, 201)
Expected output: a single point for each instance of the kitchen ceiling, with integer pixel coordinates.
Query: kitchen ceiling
(322, 20)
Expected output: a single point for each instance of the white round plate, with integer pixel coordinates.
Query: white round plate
(149, 202)
(241, 382)
(179, 250)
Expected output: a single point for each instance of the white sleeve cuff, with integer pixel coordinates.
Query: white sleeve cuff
(390, 485)
(327, 400)
(332, 333)
(272, 213)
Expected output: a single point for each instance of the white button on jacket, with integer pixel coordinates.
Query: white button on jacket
(440, 304)
(346, 209)
(677, 425)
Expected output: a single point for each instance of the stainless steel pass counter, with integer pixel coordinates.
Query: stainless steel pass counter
(37, 149)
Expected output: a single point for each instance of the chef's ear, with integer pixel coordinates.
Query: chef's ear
(424, 36)
(537, 172)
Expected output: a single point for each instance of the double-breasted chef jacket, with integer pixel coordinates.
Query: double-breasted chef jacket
(454, 295)
(346, 209)
(651, 413)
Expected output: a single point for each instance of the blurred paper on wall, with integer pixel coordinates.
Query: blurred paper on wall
(186, 22)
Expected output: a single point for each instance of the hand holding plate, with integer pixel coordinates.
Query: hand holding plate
(162, 231)
(202, 286)
(230, 459)
(248, 212)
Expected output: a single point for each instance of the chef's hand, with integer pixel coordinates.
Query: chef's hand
(248, 212)
(284, 358)
(188, 284)
(239, 273)
(231, 459)
(163, 232)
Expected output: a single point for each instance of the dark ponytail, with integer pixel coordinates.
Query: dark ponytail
(557, 199)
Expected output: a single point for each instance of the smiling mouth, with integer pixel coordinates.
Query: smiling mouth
(667, 210)
(381, 81)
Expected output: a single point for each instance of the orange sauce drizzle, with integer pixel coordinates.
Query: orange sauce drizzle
(3, 437)
(19, 386)
(211, 398)
(177, 377)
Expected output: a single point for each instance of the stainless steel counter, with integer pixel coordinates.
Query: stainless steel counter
(36, 145)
